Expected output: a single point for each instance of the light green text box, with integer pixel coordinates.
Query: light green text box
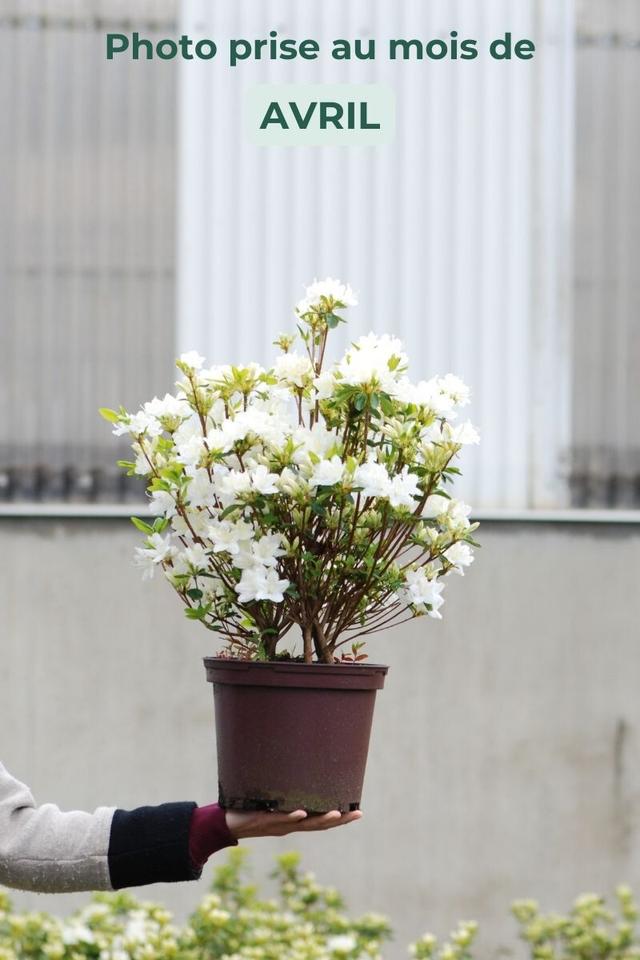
(319, 114)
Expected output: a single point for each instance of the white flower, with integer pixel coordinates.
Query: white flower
(157, 550)
(262, 481)
(434, 433)
(137, 929)
(170, 406)
(374, 360)
(195, 557)
(330, 289)
(294, 369)
(189, 428)
(191, 451)
(142, 466)
(192, 359)
(456, 389)
(260, 583)
(316, 440)
(231, 485)
(460, 555)
(74, 932)
(227, 537)
(373, 478)
(462, 433)
(426, 393)
(139, 423)
(292, 483)
(212, 589)
(458, 514)
(277, 403)
(200, 491)
(267, 549)
(216, 374)
(162, 504)
(342, 943)
(404, 489)
(269, 428)
(421, 592)
(217, 440)
(197, 526)
(435, 506)
(327, 472)
(325, 384)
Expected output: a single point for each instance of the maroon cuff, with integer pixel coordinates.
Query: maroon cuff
(208, 832)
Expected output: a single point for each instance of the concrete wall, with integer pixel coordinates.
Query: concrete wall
(506, 753)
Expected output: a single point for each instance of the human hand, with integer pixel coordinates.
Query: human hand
(259, 823)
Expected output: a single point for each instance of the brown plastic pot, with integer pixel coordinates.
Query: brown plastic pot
(292, 735)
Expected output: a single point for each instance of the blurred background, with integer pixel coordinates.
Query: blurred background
(498, 235)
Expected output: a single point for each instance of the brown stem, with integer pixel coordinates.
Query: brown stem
(324, 650)
(307, 642)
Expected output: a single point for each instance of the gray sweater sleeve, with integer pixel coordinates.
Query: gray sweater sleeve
(47, 850)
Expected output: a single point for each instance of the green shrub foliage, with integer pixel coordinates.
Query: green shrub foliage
(302, 921)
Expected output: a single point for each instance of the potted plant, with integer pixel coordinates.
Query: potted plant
(306, 497)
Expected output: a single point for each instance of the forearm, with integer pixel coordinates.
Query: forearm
(47, 850)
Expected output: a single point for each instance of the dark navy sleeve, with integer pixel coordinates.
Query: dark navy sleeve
(150, 845)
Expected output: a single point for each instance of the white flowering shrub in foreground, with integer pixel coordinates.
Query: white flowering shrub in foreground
(304, 921)
(304, 495)
(233, 922)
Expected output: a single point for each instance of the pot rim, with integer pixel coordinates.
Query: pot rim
(290, 665)
(221, 670)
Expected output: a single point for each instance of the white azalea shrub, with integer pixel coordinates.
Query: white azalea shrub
(304, 495)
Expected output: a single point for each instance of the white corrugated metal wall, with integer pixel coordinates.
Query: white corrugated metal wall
(457, 235)
(605, 455)
(87, 248)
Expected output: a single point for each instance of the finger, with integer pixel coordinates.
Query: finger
(324, 819)
(296, 815)
(331, 819)
(352, 816)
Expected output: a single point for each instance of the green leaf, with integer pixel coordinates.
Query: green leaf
(109, 415)
(228, 511)
(386, 404)
(360, 402)
(261, 651)
(197, 613)
(142, 526)
(181, 579)
(160, 524)
(173, 474)
(195, 594)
